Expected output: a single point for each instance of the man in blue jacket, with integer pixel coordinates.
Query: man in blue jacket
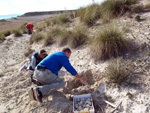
(46, 73)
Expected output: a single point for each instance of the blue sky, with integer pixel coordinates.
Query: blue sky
(23, 6)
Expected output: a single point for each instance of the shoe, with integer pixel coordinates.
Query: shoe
(31, 94)
(35, 94)
(38, 95)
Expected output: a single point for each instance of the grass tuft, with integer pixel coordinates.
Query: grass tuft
(49, 39)
(36, 37)
(17, 33)
(118, 70)
(78, 37)
(89, 14)
(115, 8)
(2, 37)
(108, 43)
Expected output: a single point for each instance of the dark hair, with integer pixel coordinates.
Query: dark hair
(66, 50)
(42, 51)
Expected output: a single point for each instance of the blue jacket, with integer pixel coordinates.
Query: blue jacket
(55, 61)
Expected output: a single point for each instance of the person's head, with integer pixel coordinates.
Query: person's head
(67, 52)
(42, 53)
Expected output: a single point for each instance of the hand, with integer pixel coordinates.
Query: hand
(84, 82)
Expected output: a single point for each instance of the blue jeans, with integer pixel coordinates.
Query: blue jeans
(50, 82)
(29, 31)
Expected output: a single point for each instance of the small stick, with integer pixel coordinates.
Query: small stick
(117, 107)
(110, 104)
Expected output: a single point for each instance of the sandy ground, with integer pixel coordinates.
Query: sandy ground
(14, 85)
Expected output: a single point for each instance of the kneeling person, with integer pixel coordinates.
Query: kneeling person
(46, 73)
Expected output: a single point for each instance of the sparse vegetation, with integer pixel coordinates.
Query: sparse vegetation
(108, 43)
(64, 18)
(115, 8)
(64, 37)
(49, 39)
(118, 70)
(40, 27)
(78, 37)
(17, 33)
(23, 28)
(7, 33)
(2, 37)
(36, 37)
(89, 14)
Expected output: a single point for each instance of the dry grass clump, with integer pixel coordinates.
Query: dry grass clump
(4, 34)
(40, 27)
(78, 37)
(2, 37)
(7, 33)
(116, 7)
(49, 39)
(51, 36)
(64, 37)
(23, 28)
(62, 19)
(36, 37)
(89, 14)
(17, 32)
(75, 38)
(108, 43)
(118, 70)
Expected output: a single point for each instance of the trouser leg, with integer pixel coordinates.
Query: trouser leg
(49, 80)
(29, 31)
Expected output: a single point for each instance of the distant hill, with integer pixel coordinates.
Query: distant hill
(45, 13)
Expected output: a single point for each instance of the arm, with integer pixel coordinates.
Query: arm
(83, 81)
(33, 62)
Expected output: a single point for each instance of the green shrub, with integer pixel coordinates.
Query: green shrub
(17, 33)
(89, 14)
(118, 70)
(108, 43)
(36, 37)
